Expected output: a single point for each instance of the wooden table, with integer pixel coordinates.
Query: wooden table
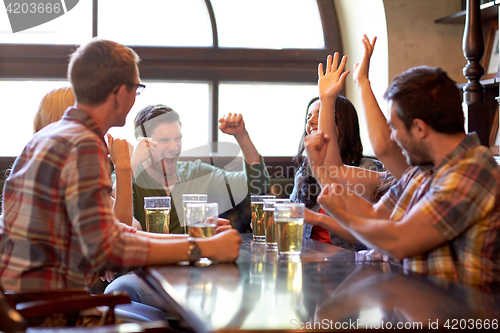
(326, 287)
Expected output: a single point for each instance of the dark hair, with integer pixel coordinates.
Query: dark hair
(348, 139)
(427, 93)
(142, 124)
(299, 159)
(349, 143)
(97, 68)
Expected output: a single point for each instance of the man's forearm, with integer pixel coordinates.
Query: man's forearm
(250, 153)
(361, 181)
(161, 236)
(354, 202)
(379, 132)
(123, 195)
(381, 234)
(335, 227)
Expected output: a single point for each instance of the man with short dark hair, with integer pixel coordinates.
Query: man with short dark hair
(161, 173)
(443, 216)
(59, 229)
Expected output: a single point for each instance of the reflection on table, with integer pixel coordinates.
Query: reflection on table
(326, 287)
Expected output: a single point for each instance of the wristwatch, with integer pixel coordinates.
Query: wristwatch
(194, 252)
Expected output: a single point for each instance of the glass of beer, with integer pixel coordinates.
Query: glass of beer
(257, 208)
(157, 210)
(289, 219)
(269, 224)
(188, 198)
(201, 218)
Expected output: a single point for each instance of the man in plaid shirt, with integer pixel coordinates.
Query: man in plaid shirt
(443, 216)
(58, 229)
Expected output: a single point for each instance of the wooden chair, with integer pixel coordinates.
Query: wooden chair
(22, 311)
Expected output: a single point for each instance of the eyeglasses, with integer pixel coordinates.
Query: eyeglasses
(140, 87)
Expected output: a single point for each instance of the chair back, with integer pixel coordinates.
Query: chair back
(10, 319)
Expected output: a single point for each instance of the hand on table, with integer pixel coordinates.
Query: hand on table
(222, 225)
(222, 247)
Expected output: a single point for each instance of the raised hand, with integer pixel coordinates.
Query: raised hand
(316, 147)
(144, 148)
(331, 200)
(232, 124)
(119, 151)
(361, 69)
(331, 82)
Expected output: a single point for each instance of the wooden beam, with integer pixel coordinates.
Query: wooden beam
(473, 48)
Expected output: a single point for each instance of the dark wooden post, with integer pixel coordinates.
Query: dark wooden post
(473, 47)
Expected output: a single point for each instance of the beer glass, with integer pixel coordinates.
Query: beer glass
(201, 218)
(289, 219)
(186, 198)
(257, 208)
(269, 224)
(157, 211)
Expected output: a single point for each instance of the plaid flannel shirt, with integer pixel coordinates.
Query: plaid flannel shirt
(461, 199)
(59, 229)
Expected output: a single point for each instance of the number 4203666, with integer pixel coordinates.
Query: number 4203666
(32, 8)
(455, 324)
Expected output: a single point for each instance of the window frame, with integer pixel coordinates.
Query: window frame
(206, 64)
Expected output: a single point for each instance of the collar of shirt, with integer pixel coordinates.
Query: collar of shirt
(469, 142)
(75, 114)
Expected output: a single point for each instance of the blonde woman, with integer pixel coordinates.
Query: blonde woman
(52, 107)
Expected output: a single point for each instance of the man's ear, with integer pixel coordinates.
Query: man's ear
(112, 98)
(419, 128)
(120, 93)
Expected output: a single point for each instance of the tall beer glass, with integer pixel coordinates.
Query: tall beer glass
(201, 218)
(289, 218)
(257, 208)
(157, 211)
(187, 198)
(270, 225)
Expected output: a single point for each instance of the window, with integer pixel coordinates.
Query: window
(189, 100)
(155, 22)
(269, 24)
(19, 103)
(274, 114)
(201, 57)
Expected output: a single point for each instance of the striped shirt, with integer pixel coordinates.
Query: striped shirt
(58, 228)
(461, 199)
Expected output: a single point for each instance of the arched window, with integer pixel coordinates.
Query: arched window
(204, 58)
